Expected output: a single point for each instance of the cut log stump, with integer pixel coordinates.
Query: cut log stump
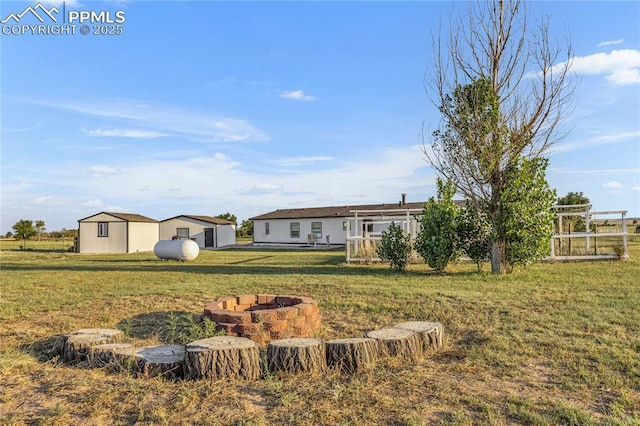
(152, 361)
(431, 334)
(296, 355)
(102, 355)
(76, 347)
(223, 357)
(352, 355)
(397, 342)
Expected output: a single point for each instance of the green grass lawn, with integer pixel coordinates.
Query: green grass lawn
(558, 343)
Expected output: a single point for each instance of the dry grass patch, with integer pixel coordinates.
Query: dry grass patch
(557, 344)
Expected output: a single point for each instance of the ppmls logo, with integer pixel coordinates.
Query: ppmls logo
(33, 11)
(69, 22)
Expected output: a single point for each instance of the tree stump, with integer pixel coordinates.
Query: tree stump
(152, 361)
(352, 355)
(102, 355)
(431, 334)
(76, 346)
(397, 342)
(296, 355)
(223, 357)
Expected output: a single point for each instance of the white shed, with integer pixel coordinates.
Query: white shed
(207, 231)
(109, 232)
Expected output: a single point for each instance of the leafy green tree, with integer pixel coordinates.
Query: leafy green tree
(40, 228)
(245, 229)
(436, 242)
(9, 234)
(574, 223)
(24, 230)
(395, 247)
(474, 234)
(502, 89)
(526, 216)
(228, 216)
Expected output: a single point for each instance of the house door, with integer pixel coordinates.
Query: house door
(208, 237)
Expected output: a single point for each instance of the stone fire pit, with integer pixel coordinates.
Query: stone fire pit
(265, 317)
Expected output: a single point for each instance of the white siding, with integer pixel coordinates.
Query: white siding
(279, 231)
(226, 235)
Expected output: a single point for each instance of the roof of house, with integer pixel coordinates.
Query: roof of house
(208, 219)
(334, 211)
(129, 217)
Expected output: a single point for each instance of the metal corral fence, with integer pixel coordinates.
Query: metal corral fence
(364, 230)
(598, 241)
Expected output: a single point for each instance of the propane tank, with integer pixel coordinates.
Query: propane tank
(176, 249)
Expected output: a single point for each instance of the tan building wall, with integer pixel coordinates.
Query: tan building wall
(122, 236)
(114, 242)
(142, 236)
(224, 234)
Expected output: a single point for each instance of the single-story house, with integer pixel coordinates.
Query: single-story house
(323, 225)
(207, 231)
(109, 232)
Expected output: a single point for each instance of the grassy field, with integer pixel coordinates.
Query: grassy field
(556, 344)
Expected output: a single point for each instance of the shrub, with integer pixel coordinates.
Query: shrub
(526, 218)
(395, 247)
(474, 234)
(437, 240)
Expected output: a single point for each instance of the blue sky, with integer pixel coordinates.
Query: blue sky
(243, 107)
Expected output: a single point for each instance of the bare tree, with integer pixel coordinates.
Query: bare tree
(503, 90)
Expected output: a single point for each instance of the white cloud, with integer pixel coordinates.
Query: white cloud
(297, 95)
(49, 200)
(601, 172)
(301, 161)
(92, 203)
(166, 120)
(612, 185)
(99, 171)
(621, 67)
(267, 187)
(636, 188)
(125, 133)
(610, 42)
(606, 139)
(217, 183)
(625, 77)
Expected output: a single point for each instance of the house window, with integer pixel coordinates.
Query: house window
(103, 229)
(344, 225)
(266, 228)
(294, 227)
(316, 229)
(182, 233)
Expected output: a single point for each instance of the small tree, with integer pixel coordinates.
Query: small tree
(575, 223)
(245, 229)
(474, 234)
(228, 216)
(527, 216)
(503, 89)
(24, 230)
(395, 247)
(40, 228)
(436, 242)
